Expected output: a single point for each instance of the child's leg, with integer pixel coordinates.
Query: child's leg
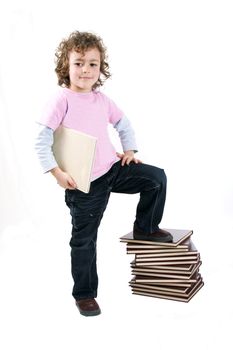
(150, 181)
(86, 211)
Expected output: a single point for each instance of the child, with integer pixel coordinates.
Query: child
(81, 68)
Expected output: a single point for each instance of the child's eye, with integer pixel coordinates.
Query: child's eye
(93, 65)
(78, 64)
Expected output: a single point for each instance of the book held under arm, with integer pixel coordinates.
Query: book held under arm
(74, 152)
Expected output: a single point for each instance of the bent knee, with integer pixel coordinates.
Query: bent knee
(160, 176)
(163, 176)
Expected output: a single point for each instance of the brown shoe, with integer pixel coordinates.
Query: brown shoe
(158, 235)
(88, 307)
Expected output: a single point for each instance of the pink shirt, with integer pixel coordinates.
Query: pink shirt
(89, 113)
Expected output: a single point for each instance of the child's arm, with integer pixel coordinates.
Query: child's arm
(43, 147)
(128, 141)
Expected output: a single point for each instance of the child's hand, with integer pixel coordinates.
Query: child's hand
(63, 179)
(128, 157)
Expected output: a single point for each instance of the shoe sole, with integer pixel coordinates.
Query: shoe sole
(89, 313)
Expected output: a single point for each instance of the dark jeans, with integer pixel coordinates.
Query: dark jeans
(87, 211)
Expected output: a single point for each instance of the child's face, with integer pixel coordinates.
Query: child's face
(84, 70)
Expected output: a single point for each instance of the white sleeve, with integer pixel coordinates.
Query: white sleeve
(126, 134)
(43, 148)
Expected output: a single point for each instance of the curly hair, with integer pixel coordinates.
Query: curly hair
(80, 42)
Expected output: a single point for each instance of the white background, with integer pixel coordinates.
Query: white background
(172, 74)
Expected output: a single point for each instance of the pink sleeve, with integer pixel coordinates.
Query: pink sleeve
(54, 111)
(115, 113)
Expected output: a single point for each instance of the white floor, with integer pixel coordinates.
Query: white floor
(37, 310)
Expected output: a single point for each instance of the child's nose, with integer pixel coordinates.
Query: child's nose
(85, 68)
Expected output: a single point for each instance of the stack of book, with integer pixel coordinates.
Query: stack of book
(165, 270)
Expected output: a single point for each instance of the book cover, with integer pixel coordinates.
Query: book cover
(191, 250)
(168, 262)
(152, 250)
(166, 274)
(186, 268)
(74, 152)
(179, 291)
(187, 284)
(179, 236)
(163, 280)
(171, 270)
(185, 298)
(165, 254)
(160, 288)
(166, 258)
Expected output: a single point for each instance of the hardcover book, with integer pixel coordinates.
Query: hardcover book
(168, 262)
(186, 268)
(150, 250)
(165, 252)
(173, 283)
(162, 280)
(74, 152)
(166, 274)
(171, 295)
(170, 270)
(179, 236)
